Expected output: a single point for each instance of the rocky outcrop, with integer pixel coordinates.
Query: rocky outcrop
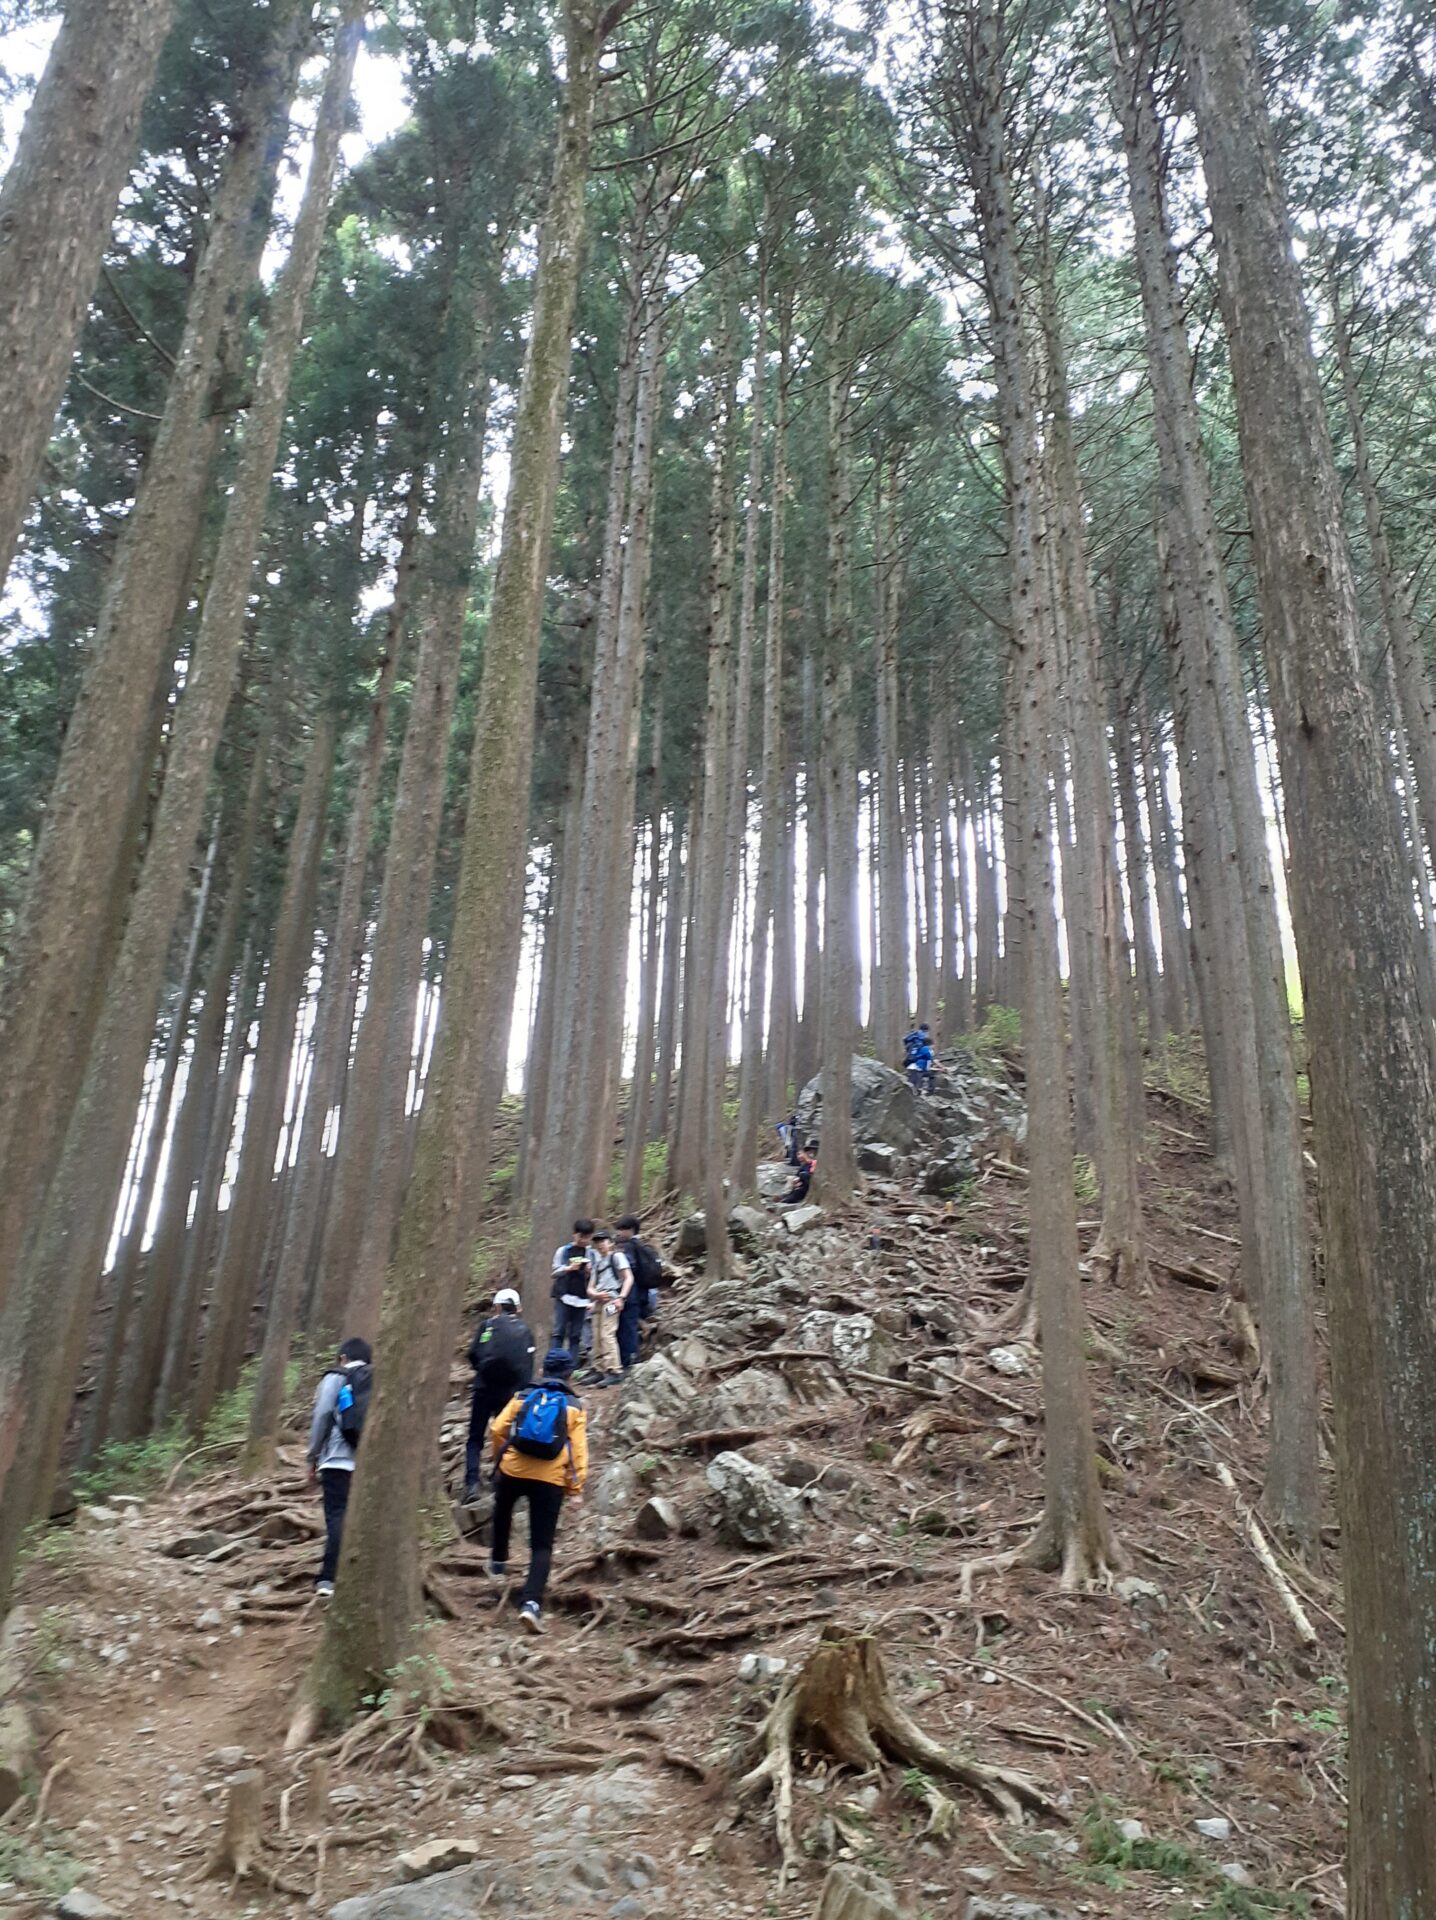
(755, 1508)
(884, 1106)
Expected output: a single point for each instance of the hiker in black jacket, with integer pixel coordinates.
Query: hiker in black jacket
(502, 1357)
(647, 1269)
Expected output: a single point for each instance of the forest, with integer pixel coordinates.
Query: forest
(595, 593)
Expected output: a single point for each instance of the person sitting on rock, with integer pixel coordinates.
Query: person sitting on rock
(540, 1455)
(802, 1177)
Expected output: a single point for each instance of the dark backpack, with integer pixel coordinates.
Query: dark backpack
(540, 1428)
(646, 1265)
(352, 1405)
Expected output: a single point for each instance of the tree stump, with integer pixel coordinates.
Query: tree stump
(839, 1704)
(242, 1840)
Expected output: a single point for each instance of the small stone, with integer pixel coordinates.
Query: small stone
(227, 1758)
(756, 1667)
(1009, 1361)
(435, 1856)
(1132, 1589)
(517, 1782)
(1131, 1830)
(657, 1519)
(211, 1617)
(1215, 1827)
(97, 1517)
(1234, 1871)
(591, 1870)
(77, 1904)
(194, 1546)
(630, 1907)
(863, 1543)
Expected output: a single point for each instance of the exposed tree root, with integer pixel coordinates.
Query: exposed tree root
(839, 1703)
(1082, 1557)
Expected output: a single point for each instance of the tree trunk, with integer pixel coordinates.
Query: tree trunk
(890, 1010)
(369, 1179)
(57, 1284)
(783, 1003)
(1373, 1098)
(838, 1178)
(252, 1204)
(1074, 1533)
(56, 209)
(1282, 1286)
(679, 870)
(378, 1605)
(78, 890)
(753, 1068)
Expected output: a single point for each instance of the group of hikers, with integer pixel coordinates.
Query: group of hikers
(605, 1284)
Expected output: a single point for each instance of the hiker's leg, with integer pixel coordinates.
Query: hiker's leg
(628, 1327)
(605, 1340)
(474, 1446)
(571, 1328)
(506, 1491)
(335, 1483)
(545, 1505)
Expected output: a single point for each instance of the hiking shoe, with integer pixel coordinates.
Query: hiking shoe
(612, 1380)
(324, 1589)
(470, 1495)
(532, 1616)
(497, 1570)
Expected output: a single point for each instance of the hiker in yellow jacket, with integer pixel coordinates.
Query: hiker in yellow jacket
(540, 1455)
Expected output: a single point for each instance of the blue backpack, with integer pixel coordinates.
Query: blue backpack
(541, 1428)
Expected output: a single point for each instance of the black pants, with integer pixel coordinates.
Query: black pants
(569, 1326)
(335, 1483)
(486, 1405)
(628, 1325)
(545, 1505)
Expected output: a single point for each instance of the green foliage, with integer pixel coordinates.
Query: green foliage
(1000, 1032)
(132, 1466)
(1084, 1179)
(1181, 1068)
(1108, 1855)
(46, 1869)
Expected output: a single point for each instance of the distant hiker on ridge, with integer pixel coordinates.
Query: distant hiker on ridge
(502, 1357)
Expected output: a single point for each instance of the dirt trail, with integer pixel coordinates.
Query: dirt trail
(594, 1770)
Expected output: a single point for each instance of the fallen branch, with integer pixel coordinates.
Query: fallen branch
(1305, 1631)
(1107, 1728)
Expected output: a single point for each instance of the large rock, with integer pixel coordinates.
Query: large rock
(884, 1105)
(757, 1509)
(774, 1178)
(461, 1895)
(756, 1397)
(852, 1893)
(876, 1156)
(692, 1237)
(853, 1339)
(747, 1226)
(436, 1856)
(799, 1219)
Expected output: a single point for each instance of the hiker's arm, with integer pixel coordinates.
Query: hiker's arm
(627, 1287)
(325, 1401)
(578, 1442)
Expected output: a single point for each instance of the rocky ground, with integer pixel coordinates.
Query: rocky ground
(798, 1473)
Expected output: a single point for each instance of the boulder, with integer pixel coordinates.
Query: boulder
(194, 1546)
(852, 1893)
(747, 1226)
(17, 1752)
(757, 1509)
(458, 1895)
(692, 1237)
(658, 1383)
(884, 1105)
(756, 1397)
(1009, 1361)
(615, 1490)
(657, 1519)
(435, 1856)
(878, 1156)
(79, 1904)
(947, 1172)
(853, 1339)
(799, 1219)
(773, 1178)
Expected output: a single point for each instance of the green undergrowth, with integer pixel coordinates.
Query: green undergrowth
(1108, 1856)
(37, 1865)
(1000, 1032)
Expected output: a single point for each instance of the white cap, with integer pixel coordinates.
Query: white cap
(506, 1297)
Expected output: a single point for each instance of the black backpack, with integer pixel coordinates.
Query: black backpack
(353, 1403)
(646, 1265)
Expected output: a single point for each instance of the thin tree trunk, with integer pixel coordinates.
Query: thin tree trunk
(379, 1600)
(57, 1284)
(641, 1090)
(679, 868)
(1373, 1093)
(57, 206)
(890, 1014)
(78, 890)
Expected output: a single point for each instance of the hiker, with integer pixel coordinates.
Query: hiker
(540, 1454)
(502, 1357)
(802, 1178)
(340, 1404)
(610, 1283)
(790, 1138)
(920, 1036)
(920, 1067)
(642, 1301)
(572, 1265)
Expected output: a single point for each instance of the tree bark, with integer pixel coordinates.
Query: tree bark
(1373, 1097)
(78, 890)
(379, 1601)
(56, 209)
(57, 1283)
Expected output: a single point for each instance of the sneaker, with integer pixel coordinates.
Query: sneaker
(497, 1570)
(612, 1380)
(532, 1616)
(470, 1495)
(324, 1589)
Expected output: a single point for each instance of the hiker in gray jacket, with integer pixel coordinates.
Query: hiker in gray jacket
(339, 1403)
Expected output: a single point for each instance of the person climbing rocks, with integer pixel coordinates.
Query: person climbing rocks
(642, 1301)
(572, 1265)
(540, 1442)
(502, 1357)
(920, 1067)
(920, 1036)
(610, 1284)
(341, 1401)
